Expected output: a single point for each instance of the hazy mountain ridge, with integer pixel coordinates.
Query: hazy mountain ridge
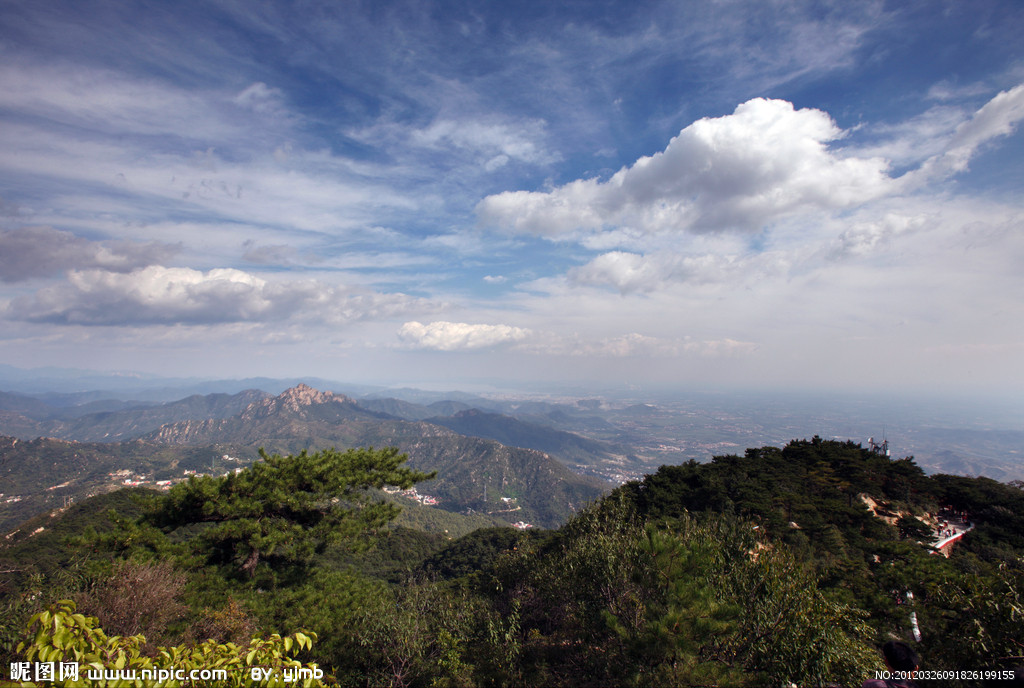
(407, 410)
(39, 419)
(468, 467)
(192, 432)
(473, 473)
(572, 449)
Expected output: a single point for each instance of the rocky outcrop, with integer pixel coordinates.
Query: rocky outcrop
(293, 400)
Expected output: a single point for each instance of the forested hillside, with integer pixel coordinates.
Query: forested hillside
(717, 574)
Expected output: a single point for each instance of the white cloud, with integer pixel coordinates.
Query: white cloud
(31, 252)
(739, 172)
(518, 141)
(946, 90)
(635, 345)
(998, 117)
(259, 97)
(658, 270)
(104, 101)
(162, 295)
(911, 141)
(310, 193)
(865, 238)
(154, 149)
(451, 336)
(631, 272)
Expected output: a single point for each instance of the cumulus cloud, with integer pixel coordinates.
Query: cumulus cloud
(644, 273)
(632, 272)
(738, 172)
(31, 252)
(162, 295)
(451, 336)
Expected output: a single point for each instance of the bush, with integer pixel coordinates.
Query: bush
(61, 635)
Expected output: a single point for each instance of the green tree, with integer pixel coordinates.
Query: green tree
(284, 509)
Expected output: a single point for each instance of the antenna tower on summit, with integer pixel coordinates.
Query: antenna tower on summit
(882, 448)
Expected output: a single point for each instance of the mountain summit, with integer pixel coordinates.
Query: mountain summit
(472, 472)
(294, 400)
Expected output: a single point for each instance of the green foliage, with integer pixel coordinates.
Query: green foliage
(435, 520)
(394, 554)
(475, 552)
(60, 634)
(330, 603)
(420, 635)
(765, 569)
(285, 509)
(614, 601)
(790, 631)
(977, 621)
(911, 528)
(38, 547)
(687, 626)
(995, 508)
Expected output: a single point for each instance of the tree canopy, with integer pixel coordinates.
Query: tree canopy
(285, 509)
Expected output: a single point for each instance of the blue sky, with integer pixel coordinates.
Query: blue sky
(808, 194)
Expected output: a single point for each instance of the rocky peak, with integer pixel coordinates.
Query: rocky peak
(295, 400)
(304, 395)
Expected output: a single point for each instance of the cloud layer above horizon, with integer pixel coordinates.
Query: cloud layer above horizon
(739, 193)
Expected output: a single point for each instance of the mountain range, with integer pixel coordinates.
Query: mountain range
(160, 442)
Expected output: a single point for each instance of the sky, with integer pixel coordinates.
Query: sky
(763, 193)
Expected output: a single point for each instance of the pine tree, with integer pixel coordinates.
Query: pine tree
(284, 509)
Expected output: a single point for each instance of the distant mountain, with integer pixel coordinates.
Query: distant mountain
(25, 406)
(407, 410)
(299, 418)
(473, 473)
(88, 385)
(566, 446)
(35, 418)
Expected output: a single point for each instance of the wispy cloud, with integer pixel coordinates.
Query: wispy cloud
(999, 117)
(454, 336)
(34, 252)
(740, 187)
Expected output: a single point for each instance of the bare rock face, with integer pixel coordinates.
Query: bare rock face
(295, 400)
(186, 431)
(303, 395)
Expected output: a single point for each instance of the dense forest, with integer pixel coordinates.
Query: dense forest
(781, 566)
